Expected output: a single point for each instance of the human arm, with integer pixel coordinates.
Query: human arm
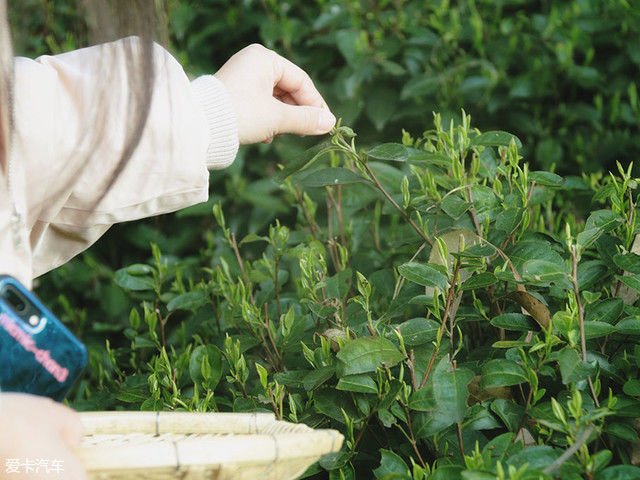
(191, 126)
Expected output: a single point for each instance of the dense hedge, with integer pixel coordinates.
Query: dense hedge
(442, 305)
(354, 309)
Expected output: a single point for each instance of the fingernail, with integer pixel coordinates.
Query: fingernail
(326, 121)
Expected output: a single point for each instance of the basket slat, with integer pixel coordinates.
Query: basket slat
(174, 422)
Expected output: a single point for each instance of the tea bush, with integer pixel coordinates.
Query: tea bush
(453, 313)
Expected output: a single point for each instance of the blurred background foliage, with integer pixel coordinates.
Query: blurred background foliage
(560, 75)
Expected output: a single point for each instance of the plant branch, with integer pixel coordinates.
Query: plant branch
(330, 240)
(277, 285)
(533, 184)
(337, 205)
(234, 246)
(583, 338)
(411, 363)
(379, 186)
(394, 203)
(312, 224)
(581, 440)
(361, 433)
(271, 339)
(474, 214)
(460, 444)
(163, 321)
(412, 437)
(444, 323)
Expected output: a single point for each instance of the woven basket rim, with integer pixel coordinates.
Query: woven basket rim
(126, 441)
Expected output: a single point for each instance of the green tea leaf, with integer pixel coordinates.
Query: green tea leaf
(509, 219)
(419, 87)
(590, 273)
(418, 331)
(444, 397)
(496, 138)
(189, 301)
(631, 281)
(479, 280)
(252, 237)
(543, 271)
(454, 206)
(601, 459)
(514, 321)
(206, 359)
(587, 237)
(623, 431)
(422, 157)
(598, 329)
(357, 383)
(329, 176)
(603, 219)
(332, 403)
(629, 262)
(510, 413)
(629, 326)
(632, 387)
(391, 464)
(572, 368)
(608, 310)
(395, 152)
(535, 457)
(304, 159)
(424, 274)
(132, 282)
(139, 269)
(618, 472)
(478, 251)
(366, 354)
(317, 377)
(501, 372)
(547, 179)
(510, 344)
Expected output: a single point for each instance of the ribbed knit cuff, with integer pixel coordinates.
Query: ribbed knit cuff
(221, 121)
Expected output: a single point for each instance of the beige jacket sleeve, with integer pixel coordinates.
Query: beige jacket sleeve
(68, 152)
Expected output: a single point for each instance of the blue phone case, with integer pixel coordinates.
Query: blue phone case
(42, 360)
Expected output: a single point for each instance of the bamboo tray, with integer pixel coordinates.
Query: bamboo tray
(189, 446)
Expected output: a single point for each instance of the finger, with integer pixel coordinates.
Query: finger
(68, 423)
(73, 432)
(293, 80)
(288, 99)
(74, 469)
(304, 120)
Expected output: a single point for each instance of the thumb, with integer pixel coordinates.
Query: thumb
(73, 431)
(304, 119)
(69, 423)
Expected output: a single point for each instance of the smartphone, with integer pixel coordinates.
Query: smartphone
(38, 354)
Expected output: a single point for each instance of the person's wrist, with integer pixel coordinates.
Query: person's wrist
(221, 120)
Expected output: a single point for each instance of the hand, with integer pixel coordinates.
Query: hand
(37, 428)
(271, 96)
